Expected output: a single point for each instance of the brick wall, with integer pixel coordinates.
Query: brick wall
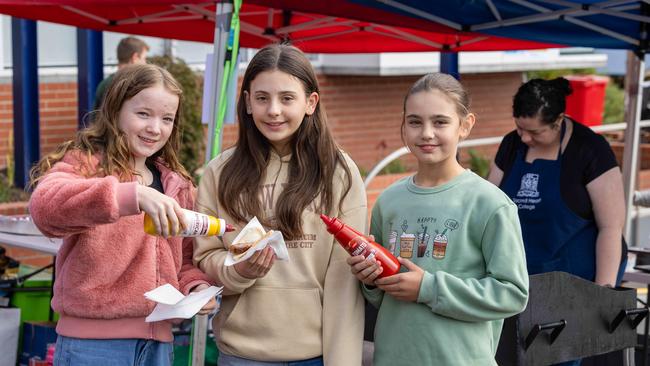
(364, 112)
(58, 115)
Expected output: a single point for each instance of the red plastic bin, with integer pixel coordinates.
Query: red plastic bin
(587, 102)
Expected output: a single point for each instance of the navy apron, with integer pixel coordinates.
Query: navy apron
(555, 238)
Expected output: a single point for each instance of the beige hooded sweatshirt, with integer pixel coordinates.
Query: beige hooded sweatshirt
(303, 308)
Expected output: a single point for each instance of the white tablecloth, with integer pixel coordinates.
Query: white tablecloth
(38, 243)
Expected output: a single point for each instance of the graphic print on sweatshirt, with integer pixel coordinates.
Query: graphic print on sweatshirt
(416, 245)
(267, 197)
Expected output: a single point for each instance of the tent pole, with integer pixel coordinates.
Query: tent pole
(633, 84)
(449, 64)
(90, 70)
(25, 103)
(223, 13)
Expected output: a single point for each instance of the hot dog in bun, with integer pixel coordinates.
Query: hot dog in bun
(250, 237)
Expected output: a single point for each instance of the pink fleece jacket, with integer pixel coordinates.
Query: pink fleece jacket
(107, 261)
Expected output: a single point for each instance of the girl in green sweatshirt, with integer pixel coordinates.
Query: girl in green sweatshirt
(457, 237)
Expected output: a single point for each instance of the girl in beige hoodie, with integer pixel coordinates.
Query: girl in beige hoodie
(286, 170)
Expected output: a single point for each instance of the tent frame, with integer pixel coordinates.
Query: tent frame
(569, 14)
(278, 34)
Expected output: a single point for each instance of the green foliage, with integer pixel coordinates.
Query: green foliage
(9, 193)
(363, 171)
(10, 158)
(192, 146)
(394, 167)
(614, 110)
(552, 74)
(478, 163)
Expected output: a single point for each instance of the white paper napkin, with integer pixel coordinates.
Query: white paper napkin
(275, 240)
(172, 304)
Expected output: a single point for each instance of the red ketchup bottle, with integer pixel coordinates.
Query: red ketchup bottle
(358, 244)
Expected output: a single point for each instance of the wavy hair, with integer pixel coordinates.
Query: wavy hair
(104, 137)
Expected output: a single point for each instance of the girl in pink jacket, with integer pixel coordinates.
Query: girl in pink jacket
(93, 192)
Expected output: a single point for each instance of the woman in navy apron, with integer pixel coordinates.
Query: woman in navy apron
(567, 185)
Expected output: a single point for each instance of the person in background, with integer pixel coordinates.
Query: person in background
(93, 192)
(285, 170)
(568, 187)
(458, 239)
(130, 51)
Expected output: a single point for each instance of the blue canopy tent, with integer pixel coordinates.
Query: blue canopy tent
(616, 24)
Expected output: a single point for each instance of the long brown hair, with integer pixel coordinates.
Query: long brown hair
(315, 155)
(105, 137)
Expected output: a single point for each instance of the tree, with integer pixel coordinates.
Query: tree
(192, 145)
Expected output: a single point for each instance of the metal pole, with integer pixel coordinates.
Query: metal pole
(25, 104)
(223, 13)
(169, 48)
(449, 64)
(221, 33)
(90, 70)
(199, 335)
(633, 93)
(628, 356)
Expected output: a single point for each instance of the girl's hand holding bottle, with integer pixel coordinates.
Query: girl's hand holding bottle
(258, 265)
(165, 212)
(403, 286)
(365, 270)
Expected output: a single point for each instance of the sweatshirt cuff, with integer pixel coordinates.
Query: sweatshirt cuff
(127, 199)
(238, 283)
(428, 292)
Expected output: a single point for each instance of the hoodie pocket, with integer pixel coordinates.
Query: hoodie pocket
(279, 319)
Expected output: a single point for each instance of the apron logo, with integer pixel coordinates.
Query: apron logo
(529, 185)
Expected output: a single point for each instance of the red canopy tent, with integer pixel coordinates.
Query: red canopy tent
(334, 26)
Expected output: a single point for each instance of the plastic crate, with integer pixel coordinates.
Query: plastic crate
(587, 102)
(34, 305)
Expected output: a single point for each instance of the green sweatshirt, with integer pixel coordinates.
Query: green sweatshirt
(308, 306)
(465, 235)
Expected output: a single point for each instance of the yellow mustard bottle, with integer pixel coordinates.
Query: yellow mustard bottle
(198, 224)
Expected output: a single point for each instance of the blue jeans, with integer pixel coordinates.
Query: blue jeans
(228, 360)
(112, 352)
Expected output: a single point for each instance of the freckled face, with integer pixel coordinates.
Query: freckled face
(147, 120)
